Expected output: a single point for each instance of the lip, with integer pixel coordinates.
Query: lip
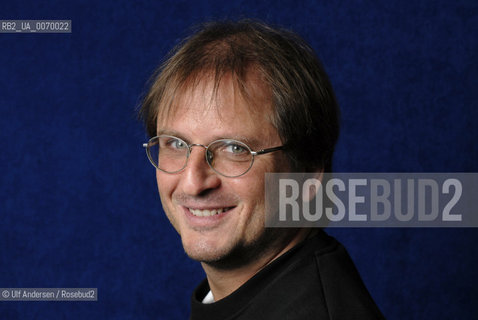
(206, 222)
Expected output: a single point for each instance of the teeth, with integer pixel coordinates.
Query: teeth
(206, 213)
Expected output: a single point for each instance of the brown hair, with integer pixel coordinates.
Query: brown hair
(306, 113)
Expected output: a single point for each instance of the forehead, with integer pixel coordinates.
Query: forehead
(221, 98)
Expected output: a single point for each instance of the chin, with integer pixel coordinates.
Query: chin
(205, 250)
(229, 256)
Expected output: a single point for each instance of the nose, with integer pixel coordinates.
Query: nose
(197, 177)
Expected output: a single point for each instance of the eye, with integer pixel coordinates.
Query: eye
(174, 143)
(235, 148)
(178, 144)
(232, 150)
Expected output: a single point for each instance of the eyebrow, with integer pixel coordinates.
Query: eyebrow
(170, 133)
(251, 142)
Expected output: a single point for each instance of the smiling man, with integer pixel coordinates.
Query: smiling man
(234, 101)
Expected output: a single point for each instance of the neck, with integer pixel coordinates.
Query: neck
(224, 281)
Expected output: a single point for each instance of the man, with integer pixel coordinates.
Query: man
(234, 101)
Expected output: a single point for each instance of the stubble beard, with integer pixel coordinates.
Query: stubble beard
(241, 254)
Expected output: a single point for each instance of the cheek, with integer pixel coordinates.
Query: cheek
(165, 183)
(166, 186)
(250, 189)
(250, 224)
(158, 177)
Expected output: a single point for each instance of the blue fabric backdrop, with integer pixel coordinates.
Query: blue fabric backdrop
(78, 200)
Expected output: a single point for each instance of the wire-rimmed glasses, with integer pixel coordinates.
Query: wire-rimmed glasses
(227, 157)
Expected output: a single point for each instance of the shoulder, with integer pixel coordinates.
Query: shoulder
(344, 292)
(315, 280)
(318, 280)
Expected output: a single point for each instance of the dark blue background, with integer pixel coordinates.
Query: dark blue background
(78, 200)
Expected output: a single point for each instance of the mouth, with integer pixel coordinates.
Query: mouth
(208, 212)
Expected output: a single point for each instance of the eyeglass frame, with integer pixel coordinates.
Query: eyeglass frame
(189, 147)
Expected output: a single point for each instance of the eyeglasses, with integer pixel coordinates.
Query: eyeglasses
(227, 157)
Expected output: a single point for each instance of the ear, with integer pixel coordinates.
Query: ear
(313, 184)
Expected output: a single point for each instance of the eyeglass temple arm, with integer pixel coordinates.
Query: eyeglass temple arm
(263, 151)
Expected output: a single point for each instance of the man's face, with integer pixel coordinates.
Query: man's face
(237, 204)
